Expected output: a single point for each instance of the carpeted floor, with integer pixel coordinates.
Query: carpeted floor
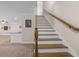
(14, 50)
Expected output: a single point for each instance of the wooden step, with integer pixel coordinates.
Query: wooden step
(55, 54)
(40, 46)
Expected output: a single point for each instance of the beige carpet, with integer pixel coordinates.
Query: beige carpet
(14, 50)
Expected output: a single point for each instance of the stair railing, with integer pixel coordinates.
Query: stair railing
(36, 38)
(64, 22)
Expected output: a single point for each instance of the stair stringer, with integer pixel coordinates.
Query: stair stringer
(70, 49)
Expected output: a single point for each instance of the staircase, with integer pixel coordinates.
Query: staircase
(49, 42)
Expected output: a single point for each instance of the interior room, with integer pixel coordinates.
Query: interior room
(39, 28)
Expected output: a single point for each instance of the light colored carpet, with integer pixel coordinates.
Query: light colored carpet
(14, 50)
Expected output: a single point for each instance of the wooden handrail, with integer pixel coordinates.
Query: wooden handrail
(60, 19)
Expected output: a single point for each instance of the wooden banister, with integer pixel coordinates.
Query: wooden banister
(36, 38)
(60, 19)
(36, 42)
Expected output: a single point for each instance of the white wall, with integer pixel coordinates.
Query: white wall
(14, 11)
(69, 12)
(12, 28)
(28, 32)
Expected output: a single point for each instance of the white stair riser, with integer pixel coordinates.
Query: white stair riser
(50, 42)
(47, 33)
(53, 50)
(46, 29)
(42, 22)
(48, 37)
(43, 26)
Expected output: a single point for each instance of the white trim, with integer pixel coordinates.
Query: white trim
(69, 47)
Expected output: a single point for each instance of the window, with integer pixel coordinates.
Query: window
(39, 7)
